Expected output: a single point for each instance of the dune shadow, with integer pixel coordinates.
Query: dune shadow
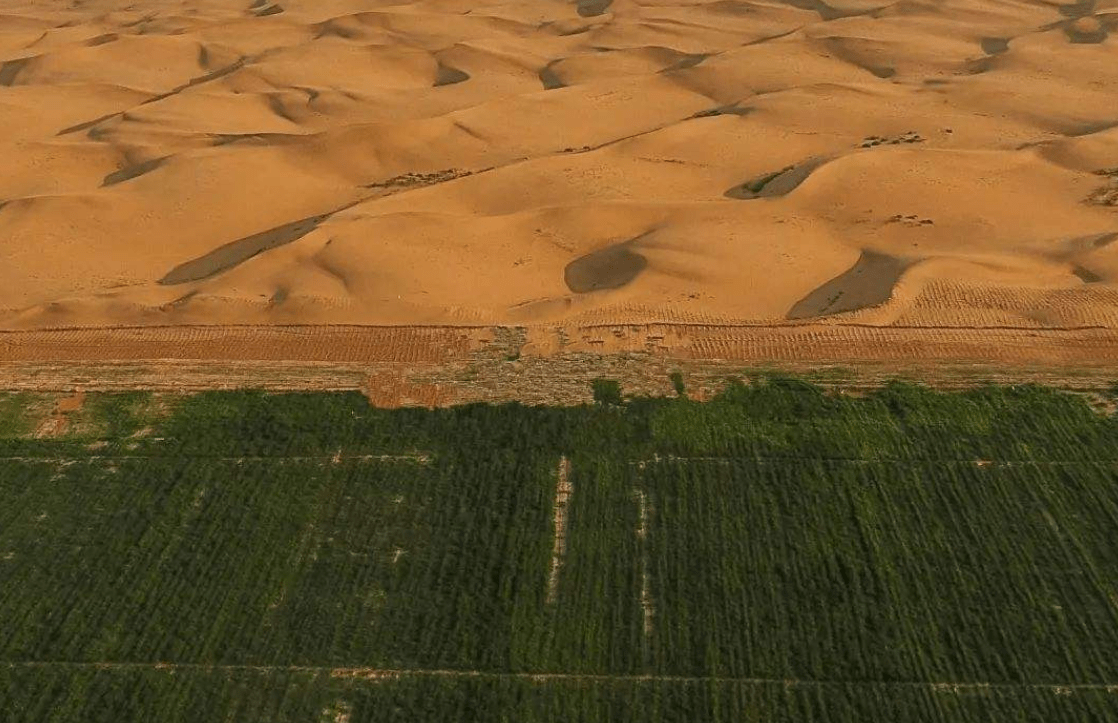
(827, 12)
(237, 252)
(1085, 275)
(776, 183)
(10, 69)
(994, 46)
(593, 8)
(1103, 240)
(263, 139)
(550, 79)
(87, 125)
(446, 75)
(869, 282)
(732, 109)
(1078, 9)
(1092, 35)
(609, 268)
(130, 172)
(689, 60)
(101, 40)
(841, 50)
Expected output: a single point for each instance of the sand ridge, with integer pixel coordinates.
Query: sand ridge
(910, 163)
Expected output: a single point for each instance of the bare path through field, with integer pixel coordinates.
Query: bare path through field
(420, 459)
(394, 673)
(648, 608)
(563, 491)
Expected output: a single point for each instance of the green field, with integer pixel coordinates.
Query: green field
(776, 554)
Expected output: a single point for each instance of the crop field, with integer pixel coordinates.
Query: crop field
(779, 553)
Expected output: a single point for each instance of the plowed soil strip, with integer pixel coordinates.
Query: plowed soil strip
(780, 343)
(390, 673)
(563, 490)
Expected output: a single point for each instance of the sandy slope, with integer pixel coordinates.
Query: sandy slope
(919, 162)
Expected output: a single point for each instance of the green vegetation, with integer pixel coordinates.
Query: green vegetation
(607, 391)
(777, 554)
(677, 384)
(14, 420)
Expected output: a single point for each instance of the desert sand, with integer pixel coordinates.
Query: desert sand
(939, 163)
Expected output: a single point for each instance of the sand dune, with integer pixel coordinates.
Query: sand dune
(917, 163)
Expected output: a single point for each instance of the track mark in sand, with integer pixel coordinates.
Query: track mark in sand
(869, 282)
(134, 171)
(647, 607)
(446, 75)
(609, 268)
(563, 490)
(10, 69)
(777, 183)
(237, 252)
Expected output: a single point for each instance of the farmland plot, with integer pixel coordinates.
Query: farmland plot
(777, 554)
(265, 562)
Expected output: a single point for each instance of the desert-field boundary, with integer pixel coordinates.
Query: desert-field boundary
(438, 366)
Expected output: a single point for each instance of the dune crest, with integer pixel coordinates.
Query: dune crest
(738, 161)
